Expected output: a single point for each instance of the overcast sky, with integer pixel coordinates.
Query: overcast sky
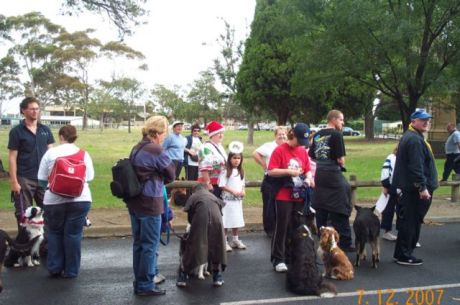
(179, 40)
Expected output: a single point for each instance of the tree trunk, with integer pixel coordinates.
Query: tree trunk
(250, 139)
(369, 125)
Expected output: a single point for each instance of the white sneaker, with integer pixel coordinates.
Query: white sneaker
(227, 247)
(159, 278)
(418, 245)
(238, 244)
(389, 236)
(281, 267)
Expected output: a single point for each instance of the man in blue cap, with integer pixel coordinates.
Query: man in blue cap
(415, 174)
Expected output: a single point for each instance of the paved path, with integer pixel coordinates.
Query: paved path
(106, 277)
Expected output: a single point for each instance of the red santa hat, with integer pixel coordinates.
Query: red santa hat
(214, 127)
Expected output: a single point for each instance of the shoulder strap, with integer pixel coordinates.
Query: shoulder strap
(79, 155)
(218, 150)
(131, 157)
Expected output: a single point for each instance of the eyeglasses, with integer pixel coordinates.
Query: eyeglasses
(33, 109)
(196, 130)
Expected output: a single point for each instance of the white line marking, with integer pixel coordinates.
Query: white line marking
(343, 294)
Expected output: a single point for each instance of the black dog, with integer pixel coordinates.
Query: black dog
(303, 276)
(367, 229)
(6, 243)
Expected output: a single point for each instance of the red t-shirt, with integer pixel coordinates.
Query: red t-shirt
(285, 156)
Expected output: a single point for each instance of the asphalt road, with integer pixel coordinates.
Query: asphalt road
(106, 277)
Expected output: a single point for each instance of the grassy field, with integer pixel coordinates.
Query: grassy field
(364, 159)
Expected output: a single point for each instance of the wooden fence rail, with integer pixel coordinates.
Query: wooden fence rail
(354, 183)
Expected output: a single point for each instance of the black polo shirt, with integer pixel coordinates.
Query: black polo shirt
(31, 148)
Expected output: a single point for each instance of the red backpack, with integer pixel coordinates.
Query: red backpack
(68, 175)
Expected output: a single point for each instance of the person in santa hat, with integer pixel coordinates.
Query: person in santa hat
(212, 157)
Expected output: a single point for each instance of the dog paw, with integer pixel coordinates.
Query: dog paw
(36, 263)
(201, 277)
(207, 273)
(30, 264)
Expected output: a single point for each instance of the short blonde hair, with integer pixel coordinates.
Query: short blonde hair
(155, 125)
(333, 114)
(280, 128)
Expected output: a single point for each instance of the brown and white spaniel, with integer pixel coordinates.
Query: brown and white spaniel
(336, 263)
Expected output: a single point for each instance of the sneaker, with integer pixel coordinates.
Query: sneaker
(389, 236)
(228, 248)
(418, 245)
(412, 261)
(159, 278)
(281, 267)
(181, 279)
(238, 244)
(217, 279)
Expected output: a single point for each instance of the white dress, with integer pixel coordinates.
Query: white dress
(233, 210)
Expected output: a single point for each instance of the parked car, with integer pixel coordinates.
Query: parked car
(243, 127)
(348, 131)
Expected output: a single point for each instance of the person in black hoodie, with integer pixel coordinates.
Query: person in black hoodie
(415, 174)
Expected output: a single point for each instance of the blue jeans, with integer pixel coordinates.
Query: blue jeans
(146, 240)
(65, 231)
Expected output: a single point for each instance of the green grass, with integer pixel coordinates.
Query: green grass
(364, 159)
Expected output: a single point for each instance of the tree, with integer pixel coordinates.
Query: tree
(123, 13)
(264, 80)
(9, 82)
(32, 35)
(128, 91)
(168, 102)
(399, 48)
(77, 52)
(226, 67)
(205, 101)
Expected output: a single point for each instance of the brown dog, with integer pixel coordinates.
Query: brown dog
(336, 263)
(178, 197)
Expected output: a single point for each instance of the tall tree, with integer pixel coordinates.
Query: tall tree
(168, 102)
(226, 67)
(400, 48)
(265, 77)
(33, 36)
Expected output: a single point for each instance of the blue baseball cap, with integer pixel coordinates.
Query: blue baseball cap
(301, 132)
(420, 114)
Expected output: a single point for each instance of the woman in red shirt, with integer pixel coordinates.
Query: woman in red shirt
(289, 160)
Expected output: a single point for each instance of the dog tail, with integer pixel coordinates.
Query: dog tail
(23, 247)
(327, 290)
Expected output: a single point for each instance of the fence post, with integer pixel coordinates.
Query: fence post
(353, 189)
(455, 193)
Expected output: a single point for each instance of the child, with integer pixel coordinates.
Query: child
(231, 181)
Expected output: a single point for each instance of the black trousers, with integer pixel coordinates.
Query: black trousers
(389, 212)
(191, 173)
(412, 211)
(268, 208)
(450, 165)
(339, 222)
(284, 211)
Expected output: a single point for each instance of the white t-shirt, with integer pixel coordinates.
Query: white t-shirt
(46, 166)
(266, 150)
(196, 146)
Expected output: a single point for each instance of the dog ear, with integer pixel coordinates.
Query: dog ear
(33, 212)
(373, 208)
(336, 236)
(357, 207)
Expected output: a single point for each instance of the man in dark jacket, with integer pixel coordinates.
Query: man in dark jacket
(415, 174)
(206, 239)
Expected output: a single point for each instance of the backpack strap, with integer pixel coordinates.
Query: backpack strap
(166, 215)
(218, 150)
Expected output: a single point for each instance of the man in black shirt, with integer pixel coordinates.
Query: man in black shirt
(27, 144)
(332, 197)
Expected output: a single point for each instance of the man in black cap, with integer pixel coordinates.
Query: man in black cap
(415, 174)
(332, 198)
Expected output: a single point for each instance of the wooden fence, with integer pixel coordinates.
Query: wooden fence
(354, 183)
